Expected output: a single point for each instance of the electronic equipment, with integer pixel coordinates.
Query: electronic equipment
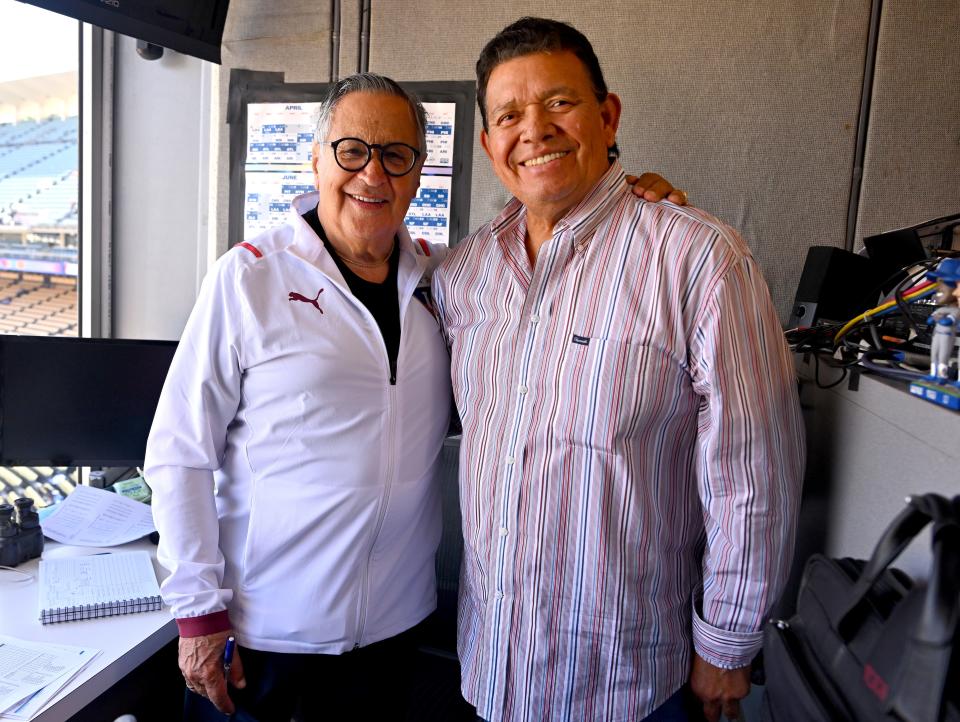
(21, 537)
(191, 27)
(78, 401)
(895, 250)
(835, 285)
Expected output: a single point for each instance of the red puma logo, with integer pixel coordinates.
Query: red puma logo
(294, 296)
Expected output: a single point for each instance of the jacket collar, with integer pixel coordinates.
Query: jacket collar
(307, 246)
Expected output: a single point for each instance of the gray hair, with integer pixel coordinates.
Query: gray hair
(368, 83)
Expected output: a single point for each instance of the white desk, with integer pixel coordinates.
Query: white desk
(126, 640)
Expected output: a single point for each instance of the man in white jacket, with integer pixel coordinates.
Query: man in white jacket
(295, 445)
(294, 448)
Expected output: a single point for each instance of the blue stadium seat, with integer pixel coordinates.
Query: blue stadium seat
(38, 172)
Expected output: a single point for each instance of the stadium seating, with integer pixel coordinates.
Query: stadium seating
(44, 484)
(38, 305)
(38, 173)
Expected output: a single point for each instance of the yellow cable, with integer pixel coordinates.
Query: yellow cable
(882, 307)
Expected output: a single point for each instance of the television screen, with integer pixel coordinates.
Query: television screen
(191, 27)
(70, 401)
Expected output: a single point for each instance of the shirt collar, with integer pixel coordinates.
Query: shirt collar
(583, 219)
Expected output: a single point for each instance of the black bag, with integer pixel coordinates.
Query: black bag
(867, 643)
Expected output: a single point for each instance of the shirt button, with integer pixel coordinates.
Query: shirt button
(498, 596)
(534, 317)
(510, 459)
(503, 531)
(522, 389)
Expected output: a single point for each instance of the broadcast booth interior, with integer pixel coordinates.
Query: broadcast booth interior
(142, 143)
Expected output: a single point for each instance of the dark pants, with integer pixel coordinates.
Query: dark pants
(682, 706)
(370, 683)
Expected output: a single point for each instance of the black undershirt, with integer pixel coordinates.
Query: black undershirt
(380, 298)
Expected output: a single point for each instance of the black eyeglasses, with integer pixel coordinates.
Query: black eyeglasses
(353, 154)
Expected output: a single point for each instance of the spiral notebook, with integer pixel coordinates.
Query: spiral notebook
(100, 585)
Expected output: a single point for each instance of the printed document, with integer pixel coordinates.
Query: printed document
(92, 517)
(32, 673)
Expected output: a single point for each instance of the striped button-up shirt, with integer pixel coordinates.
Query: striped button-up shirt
(631, 459)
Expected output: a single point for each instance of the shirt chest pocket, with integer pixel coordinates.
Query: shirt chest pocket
(613, 392)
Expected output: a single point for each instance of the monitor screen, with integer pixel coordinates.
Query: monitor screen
(70, 401)
(192, 27)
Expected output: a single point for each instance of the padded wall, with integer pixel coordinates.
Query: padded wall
(751, 107)
(292, 37)
(911, 167)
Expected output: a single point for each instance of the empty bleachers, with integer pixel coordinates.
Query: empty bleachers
(51, 204)
(37, 305)
(38, 172)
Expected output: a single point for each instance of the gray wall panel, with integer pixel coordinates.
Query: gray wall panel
(868, 449)
(752, 107)
(912, 163)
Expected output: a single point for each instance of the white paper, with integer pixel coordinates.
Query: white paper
(75, 659)
(440, 128)
(277, 168)
(17, 680)
(96, 579)
(280, 133)
(429, 213)
(268, 198)
(26, 668)
(92, 517)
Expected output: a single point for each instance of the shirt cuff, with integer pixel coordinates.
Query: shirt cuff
(722, 647)
(204, 624)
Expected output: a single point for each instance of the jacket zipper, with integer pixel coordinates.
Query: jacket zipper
(384, 501)
(391, 464)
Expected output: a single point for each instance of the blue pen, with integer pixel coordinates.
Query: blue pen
(228, 655)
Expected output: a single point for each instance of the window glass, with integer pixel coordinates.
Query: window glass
(39, 193)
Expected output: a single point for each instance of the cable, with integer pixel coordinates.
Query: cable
(27, 576)
(919, 291)
(816, 374)
(896, 373)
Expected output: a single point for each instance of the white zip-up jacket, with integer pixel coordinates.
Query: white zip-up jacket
(293, 485)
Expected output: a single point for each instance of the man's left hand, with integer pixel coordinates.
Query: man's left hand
(720, 690)
(653, 187)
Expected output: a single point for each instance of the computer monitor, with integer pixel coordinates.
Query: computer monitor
(192, 27)
(72, 401)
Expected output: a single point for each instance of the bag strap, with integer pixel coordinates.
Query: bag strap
(918, 694)
(920, 511)
(941, 608)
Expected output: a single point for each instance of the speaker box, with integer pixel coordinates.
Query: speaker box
(835, 285)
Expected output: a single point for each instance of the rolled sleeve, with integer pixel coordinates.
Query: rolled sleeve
(723, 648)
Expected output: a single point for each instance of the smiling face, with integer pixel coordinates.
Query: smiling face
(365, 208)
(548, 135)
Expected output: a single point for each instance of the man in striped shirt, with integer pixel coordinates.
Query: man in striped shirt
(632, 448)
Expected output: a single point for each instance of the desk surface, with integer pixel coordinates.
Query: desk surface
(125, 641)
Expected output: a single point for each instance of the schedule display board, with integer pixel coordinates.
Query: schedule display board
(271, 145)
